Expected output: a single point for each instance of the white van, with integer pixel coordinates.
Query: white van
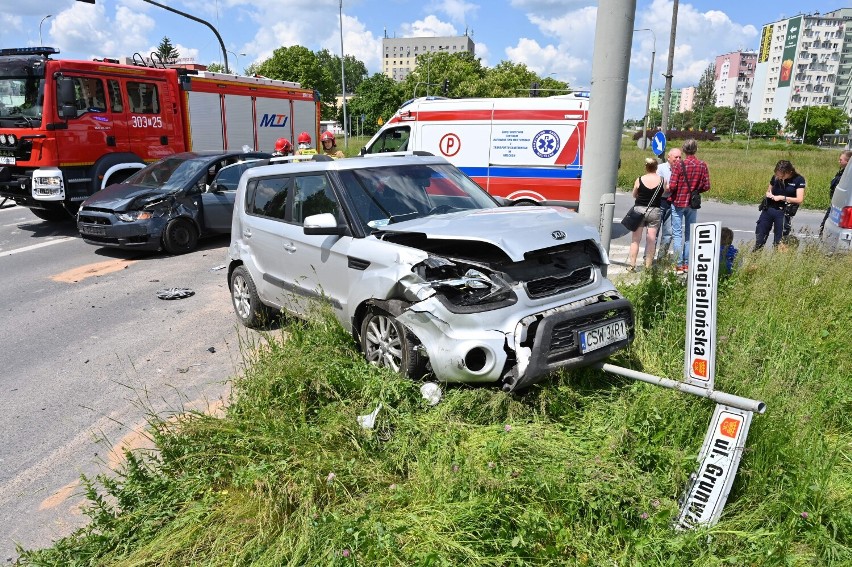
(524, 149)
(837, 234)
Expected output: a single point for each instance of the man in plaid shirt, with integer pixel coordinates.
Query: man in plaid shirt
(688, 176)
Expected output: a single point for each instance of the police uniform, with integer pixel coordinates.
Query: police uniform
(773, 216)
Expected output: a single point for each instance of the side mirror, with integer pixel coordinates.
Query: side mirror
(323, 223)
(364, 150)
(215, 188)
(67, 98)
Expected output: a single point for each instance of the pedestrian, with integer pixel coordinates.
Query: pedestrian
(727, 251)
(647, 192)
(305, 145)
(329, 145)
(786, 187)
(283, 147)
(844, 159)
(665, 171)
(689, 179)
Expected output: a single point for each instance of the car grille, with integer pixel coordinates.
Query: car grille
(553, 284)
(95, 216)
(563, 339)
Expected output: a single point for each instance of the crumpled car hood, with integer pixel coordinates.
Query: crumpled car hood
(124, 197)
(515, 230)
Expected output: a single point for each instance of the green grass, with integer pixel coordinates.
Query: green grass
(585, 469)
(740, 171)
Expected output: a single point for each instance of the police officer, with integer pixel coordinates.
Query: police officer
(329, 145)
(305, 143)
(283, 147)
(786, 188)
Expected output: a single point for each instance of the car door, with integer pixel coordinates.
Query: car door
(217, 202)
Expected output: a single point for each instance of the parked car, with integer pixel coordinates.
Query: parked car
(425, 269)
(169, 204)
(837, 233)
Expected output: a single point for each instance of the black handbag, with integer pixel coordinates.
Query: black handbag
(632, 219)
(764, 204)
(694, 196)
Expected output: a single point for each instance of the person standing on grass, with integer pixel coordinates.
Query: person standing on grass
(665, 171)
(786, 187)
(647, 191)
(689, 176)
(844, 159)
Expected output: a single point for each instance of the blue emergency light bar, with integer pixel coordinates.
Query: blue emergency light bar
(29, 51)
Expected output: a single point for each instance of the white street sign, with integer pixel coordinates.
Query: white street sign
(703, 280)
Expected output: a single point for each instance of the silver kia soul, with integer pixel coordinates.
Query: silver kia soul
(426, 270)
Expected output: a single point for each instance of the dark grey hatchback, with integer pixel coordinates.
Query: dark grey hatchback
(169, 204)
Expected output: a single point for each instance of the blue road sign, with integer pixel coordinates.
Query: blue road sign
(658, 144)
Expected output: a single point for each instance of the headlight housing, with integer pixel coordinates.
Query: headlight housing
(131, 216)
(47, 185)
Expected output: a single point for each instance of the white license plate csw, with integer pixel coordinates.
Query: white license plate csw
(599, 337)
(7, 160)
(93, 230)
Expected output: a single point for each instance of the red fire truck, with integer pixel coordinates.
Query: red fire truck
(69, 128)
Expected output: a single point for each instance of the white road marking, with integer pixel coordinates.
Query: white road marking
(36, 246)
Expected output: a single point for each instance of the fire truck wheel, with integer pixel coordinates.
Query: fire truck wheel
(180, 237)
(52, 215)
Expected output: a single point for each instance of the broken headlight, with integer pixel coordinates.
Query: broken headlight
(465, 284)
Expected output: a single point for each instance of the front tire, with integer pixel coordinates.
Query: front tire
(247, 305)
(180, 237)
(386, 343)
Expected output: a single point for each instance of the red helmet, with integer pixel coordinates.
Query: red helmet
(283, 146)
(327, 135)
(304, 138)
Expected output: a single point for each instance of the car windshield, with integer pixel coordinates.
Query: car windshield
(170, 174)
(385, 195)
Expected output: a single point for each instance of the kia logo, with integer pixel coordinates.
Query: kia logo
(558, 235)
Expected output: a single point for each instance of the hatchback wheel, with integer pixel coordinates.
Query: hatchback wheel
(180, 237)
(247, 305)
(387, 343)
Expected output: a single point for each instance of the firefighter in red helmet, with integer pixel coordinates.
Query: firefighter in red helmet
(283, 147)
(329, 145)
(305, 142)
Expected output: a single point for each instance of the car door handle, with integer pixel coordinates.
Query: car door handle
(290, 247)
(247, 233)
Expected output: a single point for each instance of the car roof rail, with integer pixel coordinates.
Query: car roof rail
(297, 158)
(400, 154)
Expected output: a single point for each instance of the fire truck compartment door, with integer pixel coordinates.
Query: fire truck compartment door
(205, 121)
(238, 122)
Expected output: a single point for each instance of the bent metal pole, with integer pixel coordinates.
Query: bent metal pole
(730, 400)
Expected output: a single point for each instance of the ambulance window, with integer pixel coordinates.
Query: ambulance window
(115, 96)
(393, 140)
(88, 95)
(144, 98)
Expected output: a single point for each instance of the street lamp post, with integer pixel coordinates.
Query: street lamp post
(343, 80)
(650, 79)
(237, 59)
(805, 129)
(40, 41)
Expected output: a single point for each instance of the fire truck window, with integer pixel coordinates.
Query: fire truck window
(89, 95)
(144, 98)
(115, 96)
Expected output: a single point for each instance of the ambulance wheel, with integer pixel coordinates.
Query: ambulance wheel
(52, 215)
(180, 237)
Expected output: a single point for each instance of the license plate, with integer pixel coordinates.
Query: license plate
(92, 230)
(7, 160)
(599, 337)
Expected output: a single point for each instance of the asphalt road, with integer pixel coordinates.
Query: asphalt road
(88, 349)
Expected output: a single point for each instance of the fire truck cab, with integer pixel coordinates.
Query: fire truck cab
(70, 128)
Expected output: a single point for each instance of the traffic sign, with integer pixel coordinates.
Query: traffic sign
(658, 145)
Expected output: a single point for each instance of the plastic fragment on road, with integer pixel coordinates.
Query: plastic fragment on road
(175, 293)
(431, 392)
(369, 421)
(219, 267)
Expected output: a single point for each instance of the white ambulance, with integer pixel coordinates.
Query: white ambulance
(524, 149)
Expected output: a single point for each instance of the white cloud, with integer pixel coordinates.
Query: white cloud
(358, 42)
(482, 52)
(87, 29)
(458, 11)
(430, 26)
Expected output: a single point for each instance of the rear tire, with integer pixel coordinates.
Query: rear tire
(387, 343)
(247, 305)
(180, 237)
(52, 215)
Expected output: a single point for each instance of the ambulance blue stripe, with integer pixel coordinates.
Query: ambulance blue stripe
(513, 172)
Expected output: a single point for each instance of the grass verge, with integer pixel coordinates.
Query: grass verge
(584, 469)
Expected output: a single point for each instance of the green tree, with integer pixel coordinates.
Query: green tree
(508, 79)
(767, 128)
(464, 72)
(705, 92)
(376, 97)
(354, 70)
(300, 64)
(216, 68)
(167, 51)
(820, 120)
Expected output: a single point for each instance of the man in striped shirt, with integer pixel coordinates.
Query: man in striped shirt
(690, 175)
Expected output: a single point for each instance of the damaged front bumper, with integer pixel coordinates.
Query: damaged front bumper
(103, 228)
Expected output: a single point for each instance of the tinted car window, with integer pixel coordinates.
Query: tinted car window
(268, 197)
(170, 174)
(312, 195)
(229, 177)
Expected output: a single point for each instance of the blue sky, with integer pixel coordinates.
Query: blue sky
(549, 36)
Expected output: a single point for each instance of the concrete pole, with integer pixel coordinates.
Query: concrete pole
(667, 95)
(650, 81)
(610, 67)
(343, 80)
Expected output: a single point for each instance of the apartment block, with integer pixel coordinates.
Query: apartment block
(399, 54)
(657, 100)
(687, 99)
(734, 78)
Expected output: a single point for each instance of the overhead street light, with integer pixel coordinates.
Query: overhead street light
(650, 79)
(40, 41)
(235, 57)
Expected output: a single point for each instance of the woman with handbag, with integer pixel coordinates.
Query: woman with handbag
(647, 191)
(786, 188)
